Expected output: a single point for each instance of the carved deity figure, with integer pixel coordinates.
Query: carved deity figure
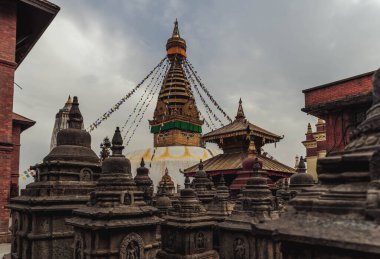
(200, 240)
(133, 251)
(239, 249)
(78, 250)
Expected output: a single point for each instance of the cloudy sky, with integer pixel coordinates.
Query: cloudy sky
(263, 51)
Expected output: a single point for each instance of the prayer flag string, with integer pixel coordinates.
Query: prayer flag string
(114, 108)
(191, 67)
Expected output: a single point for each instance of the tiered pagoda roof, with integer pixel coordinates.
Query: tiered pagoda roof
(176, 108)
(232, 138)
(233, 161)
(239, 128)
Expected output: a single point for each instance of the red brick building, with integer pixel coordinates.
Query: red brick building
(22, 23)
(342, 104)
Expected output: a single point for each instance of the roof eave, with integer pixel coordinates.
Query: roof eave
(46, 7)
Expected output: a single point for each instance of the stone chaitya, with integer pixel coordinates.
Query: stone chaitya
(340, 216)
(220, 206)
(144, 183)
(187, 231)
(63, 182)
(254, 206)
(166, 183)
(203, 186)
(301, 179)
(116, 223)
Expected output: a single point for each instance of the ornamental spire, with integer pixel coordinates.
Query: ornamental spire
(252, 152)
(117, 143)
(176, 46)
(309, 130)
(69, 100)
(75, 116)
(240, 113)
(176, 30)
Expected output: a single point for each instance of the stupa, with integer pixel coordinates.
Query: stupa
(187, 231)
(61, 121)
(116, 223)
(176, 125)
(63, 183)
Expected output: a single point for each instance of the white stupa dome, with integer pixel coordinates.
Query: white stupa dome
(174, 158)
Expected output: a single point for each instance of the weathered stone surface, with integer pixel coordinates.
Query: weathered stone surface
(187, 231)
(63, 182)
(144, 183)
(203, 186)
(116, 223)
(254, 206)
(339, 216)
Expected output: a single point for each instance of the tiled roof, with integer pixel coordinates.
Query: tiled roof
(239, 127)
(233, 161)
(22, 121)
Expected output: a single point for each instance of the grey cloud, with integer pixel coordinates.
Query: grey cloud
(263, 51)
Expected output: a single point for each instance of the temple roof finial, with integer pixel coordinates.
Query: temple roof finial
(176, 30)
(200, 166)
(309, 130)
(69, 100)
(117, 143)
(301, 166)
(75, 116)
(240, 113)
(252, 152)
(142, 163)
(187, 182)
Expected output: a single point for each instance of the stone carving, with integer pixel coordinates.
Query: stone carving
(85, 174)
(15, 228)
(171, 238)
(132, 247)
(78, 247)
(239, 248)
(127, 199)
(200, 240)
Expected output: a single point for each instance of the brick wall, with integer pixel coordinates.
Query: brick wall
(15, 160)
(354, 87)
(7, 69)
(337, 130)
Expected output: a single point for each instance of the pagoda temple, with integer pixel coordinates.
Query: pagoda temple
(235, 139)
(176, 125)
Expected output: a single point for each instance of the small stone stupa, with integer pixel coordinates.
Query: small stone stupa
(116, 223)
(254, 206)
(203, 186)
(187, 231)
(301, 179)
(144, 183)
(219, 208)
(63, 183)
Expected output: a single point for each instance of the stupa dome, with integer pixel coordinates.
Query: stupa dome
(173, 158)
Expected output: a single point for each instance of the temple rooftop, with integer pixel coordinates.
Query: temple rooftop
(239, 128)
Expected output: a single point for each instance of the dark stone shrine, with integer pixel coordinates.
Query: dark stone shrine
(63, 183)
(116, 223)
